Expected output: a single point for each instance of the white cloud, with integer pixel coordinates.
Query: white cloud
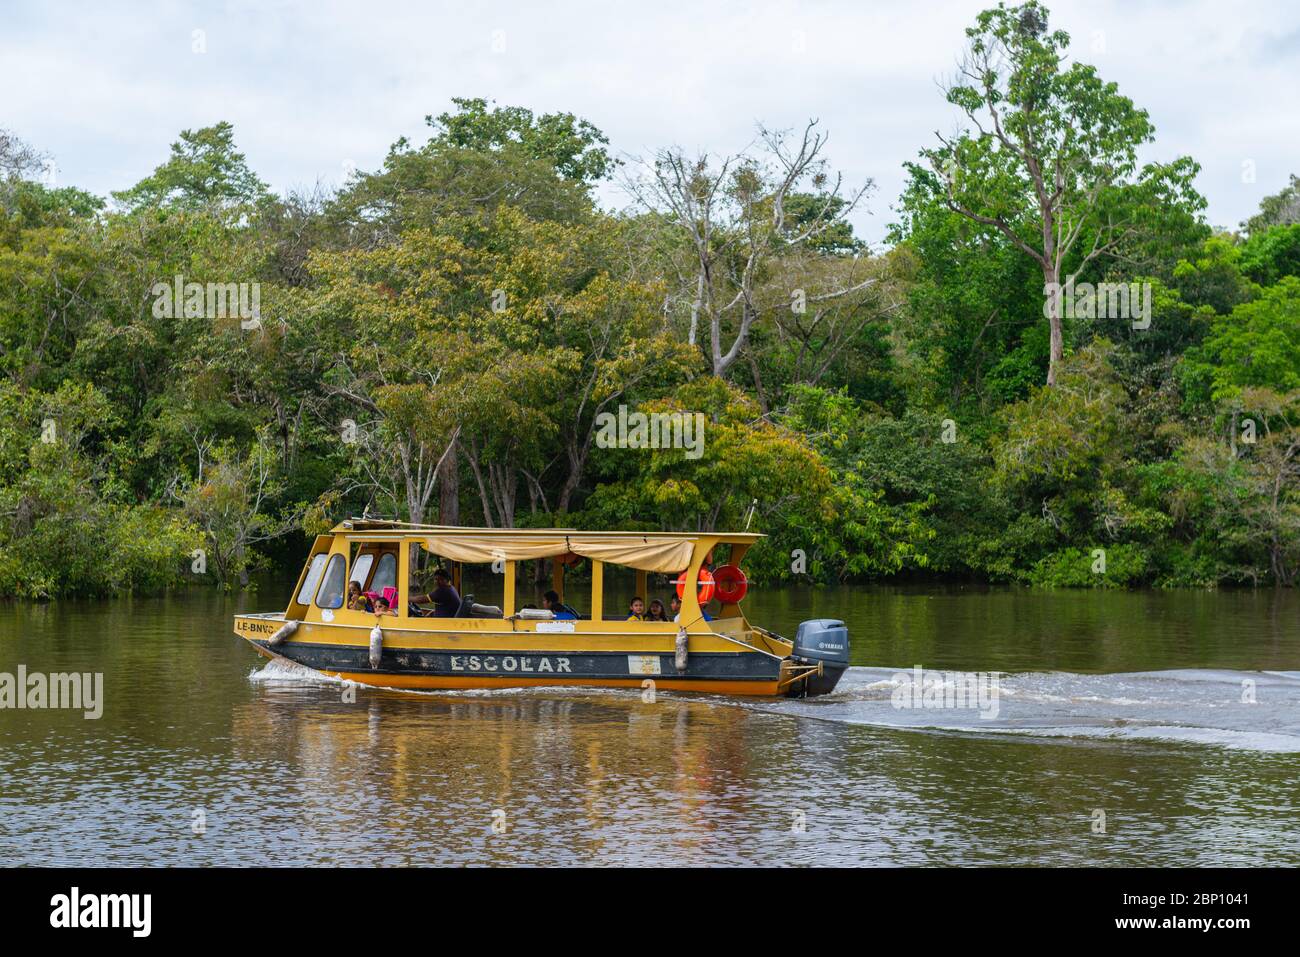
(309, 86)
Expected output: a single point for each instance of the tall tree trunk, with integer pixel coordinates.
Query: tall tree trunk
(758, 383)
(577, 455)
(482, 488)
(1052, 279)
(504, 484)
(449, 489)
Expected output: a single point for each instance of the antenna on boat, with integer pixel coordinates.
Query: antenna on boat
(750, 516)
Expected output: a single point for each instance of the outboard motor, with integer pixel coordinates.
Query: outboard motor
(824, 640)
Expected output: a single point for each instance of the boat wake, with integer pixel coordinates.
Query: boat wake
(1248, 710)
(277, 671)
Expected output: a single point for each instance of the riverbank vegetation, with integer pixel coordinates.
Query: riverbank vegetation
(441, 339)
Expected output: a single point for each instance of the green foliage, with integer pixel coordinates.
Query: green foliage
(803, 210)
(442, 339)
(477, 163)
(1258, 344)
(204, 171)
(25, 205)
(1272, 254)
(227, 501)
(59, 534)
(971, 328)
(1214, 278)
(574, 147)
(1112, 567)
(1048, 161)
(878, 528)
(1064, 437)
(742, 458)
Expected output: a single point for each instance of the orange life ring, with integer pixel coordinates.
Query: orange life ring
(706, 585)
(731, 583)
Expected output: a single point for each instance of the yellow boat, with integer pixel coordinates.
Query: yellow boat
(468, 644)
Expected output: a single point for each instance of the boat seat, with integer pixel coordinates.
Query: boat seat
(471, 609)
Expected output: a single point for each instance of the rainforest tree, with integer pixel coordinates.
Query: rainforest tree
(1049, 159)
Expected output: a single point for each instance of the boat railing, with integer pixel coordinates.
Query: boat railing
(744, 644)
(769, 634)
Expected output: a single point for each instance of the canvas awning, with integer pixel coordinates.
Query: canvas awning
(647, 552)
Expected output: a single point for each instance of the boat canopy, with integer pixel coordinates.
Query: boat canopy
(666, 552)
(651, 553)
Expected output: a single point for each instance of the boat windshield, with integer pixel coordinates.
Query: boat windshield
(313, 579)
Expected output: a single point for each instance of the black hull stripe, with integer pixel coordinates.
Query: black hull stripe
(709, 666)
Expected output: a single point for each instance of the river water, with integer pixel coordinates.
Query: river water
(1130, 729)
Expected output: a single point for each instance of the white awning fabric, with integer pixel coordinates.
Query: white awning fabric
(647, 552)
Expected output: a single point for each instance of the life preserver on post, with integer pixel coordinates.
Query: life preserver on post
(731, 583)
(705, 580)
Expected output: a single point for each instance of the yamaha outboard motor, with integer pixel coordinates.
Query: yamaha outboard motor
(823, 640)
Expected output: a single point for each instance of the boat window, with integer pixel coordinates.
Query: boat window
(313, 579)
(386, 573)
(361, 568)
(331, 589)
(620, 586)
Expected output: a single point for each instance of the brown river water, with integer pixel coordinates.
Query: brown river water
(1130, 729)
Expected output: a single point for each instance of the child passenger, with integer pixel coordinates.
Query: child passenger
(357, 599)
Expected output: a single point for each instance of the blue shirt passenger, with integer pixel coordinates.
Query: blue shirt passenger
(559, 610)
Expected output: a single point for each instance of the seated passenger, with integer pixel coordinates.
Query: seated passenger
(357, 599)
(637, 609)
(656, 612)
(444, 598)
(381, 607)
(551, 602)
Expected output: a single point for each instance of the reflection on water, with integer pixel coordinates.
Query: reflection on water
(1129, 704)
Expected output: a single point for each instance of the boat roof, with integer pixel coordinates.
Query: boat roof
(353, 525)
(649, 551)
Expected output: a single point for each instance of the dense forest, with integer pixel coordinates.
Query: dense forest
(1056, 372)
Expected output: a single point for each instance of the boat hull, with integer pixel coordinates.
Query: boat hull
(467, 662)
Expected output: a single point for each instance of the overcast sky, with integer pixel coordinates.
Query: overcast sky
(312, 87)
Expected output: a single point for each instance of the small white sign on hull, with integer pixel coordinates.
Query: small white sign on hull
(643, 665)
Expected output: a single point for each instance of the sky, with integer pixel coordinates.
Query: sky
(316, 89)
